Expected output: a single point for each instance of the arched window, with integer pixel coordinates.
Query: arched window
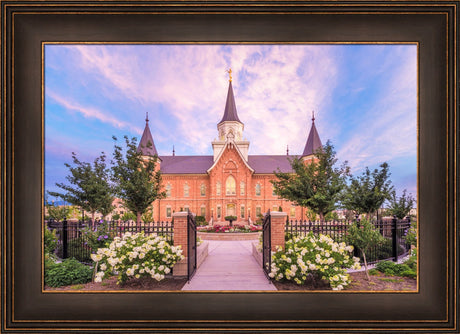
(242, 188)
(257, 189)
(203, 190)
(230, 186)
(186, 190)
(218, 190)
(168, 190)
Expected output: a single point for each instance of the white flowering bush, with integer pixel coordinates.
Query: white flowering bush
(319, 256)
(136, 255)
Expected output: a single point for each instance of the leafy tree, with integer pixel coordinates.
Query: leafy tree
(57, 212)
(147, 217)
(89, 186)
(363, 235)
(366, 193)
(400, 207)
(316, 184)
(128, 216)
(138, 184)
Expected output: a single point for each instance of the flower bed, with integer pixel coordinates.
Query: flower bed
(229, 229)
(317, 257)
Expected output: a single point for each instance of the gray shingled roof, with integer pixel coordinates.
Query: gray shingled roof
(313, 141)
(230, 113)
(146, 145)
(186, 164)
(201, 163)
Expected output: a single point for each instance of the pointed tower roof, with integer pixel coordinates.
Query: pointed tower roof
(146, 145)
(230, 113)
(313, 141)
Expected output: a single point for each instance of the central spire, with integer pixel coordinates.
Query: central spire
(230, 113)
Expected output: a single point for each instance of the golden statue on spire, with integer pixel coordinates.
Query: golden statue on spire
(229, 71)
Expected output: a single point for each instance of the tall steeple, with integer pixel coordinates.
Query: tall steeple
(146, 145)
(313, 141)
(230, 113)
(230, 127)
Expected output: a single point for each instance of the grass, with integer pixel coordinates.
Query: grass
(77, 287)
(393, 280)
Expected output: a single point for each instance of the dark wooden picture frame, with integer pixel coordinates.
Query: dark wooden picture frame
(28, 24)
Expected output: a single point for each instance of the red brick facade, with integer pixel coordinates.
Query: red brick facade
(245, 200)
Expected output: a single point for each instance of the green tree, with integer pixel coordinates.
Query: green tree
(315, 185)
(400, 207)
(89, 187)
(137, 182)
(57, 212)
(367, 192)
(147, 217)
(363, 235)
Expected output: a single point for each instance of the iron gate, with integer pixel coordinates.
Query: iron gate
(191, 248)
(266, 244)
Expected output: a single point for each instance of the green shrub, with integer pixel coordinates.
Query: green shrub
(411, 236)
(68, 272)
(398, 269)
(116, 216)
(373, 272)
(200, 220)
(98, 236)
(314, 256)
(50, 240)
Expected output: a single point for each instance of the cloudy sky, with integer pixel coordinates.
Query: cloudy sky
(364, 98)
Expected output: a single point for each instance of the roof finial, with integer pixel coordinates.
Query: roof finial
(229, 71)
(287, 149)
(147, 116)
(174, 152)
(313, 115)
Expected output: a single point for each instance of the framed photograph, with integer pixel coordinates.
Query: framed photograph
(40, 39)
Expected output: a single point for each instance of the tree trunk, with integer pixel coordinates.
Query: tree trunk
(92, 217)
(138, 220)
(365, 265)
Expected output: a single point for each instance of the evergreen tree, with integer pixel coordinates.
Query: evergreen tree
(367, 192)
(137, 182)
(400, 207)
(89, 187)
(316, 184)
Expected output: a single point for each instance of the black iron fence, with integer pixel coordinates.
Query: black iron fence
(80, 239)
(393, 230)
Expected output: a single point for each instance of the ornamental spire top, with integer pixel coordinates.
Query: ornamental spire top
(229, 71)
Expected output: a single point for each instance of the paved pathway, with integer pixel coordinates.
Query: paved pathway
(229, 266)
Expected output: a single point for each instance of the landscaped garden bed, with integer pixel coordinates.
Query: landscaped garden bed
(226, 232)
(229, 229)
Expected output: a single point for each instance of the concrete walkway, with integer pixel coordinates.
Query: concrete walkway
(229, 266)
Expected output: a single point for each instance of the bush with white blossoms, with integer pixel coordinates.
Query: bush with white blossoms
(319, 256)
(136, 255)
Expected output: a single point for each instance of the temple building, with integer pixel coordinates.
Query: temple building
(231, 182)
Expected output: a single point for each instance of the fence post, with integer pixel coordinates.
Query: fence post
(64, 238)
(394, 238)
(180, 239)
(278, 220)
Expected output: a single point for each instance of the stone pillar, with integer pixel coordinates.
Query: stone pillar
(180, 239)
(278, 223)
